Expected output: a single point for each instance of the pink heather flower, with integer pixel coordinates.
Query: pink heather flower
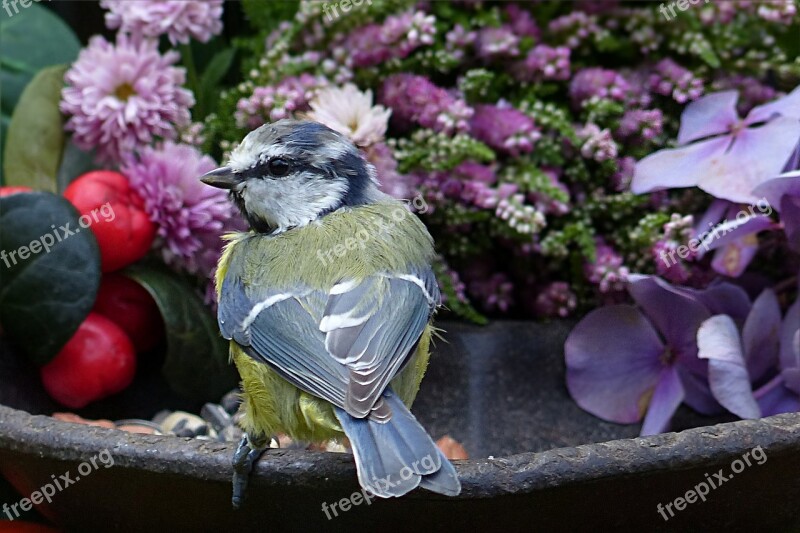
(496, 42)
(641, 124)
(275, 102)
(556, 300)
(180, 20)
(397, 37)
(193, 134)
(671, 79)
(391, 181)
(780, 11)
(458, 39)
(621, 180)
(521, 22)
(494, 293)
(574, 28)
(415, 99)
(607, 270)
(519, 216)
(597, 82)
(121, 97)
(669, 264)
(504, 129)
(365, 47)
(408, 31)
(598, 144)
(458, 286)
(639, 94)
(545, 203)
(544, 63)
(191, 216)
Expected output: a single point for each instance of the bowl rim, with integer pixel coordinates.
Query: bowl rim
(44, 437)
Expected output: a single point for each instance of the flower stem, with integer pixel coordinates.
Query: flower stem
(786, 284)
(768, 386)
(191, 70)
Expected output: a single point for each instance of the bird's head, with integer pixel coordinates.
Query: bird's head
(292, 172)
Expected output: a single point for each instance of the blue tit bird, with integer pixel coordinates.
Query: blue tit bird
(328, 302)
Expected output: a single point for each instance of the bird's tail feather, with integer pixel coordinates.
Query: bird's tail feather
(397, 456)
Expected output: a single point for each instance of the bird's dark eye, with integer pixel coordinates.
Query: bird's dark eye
(278, 167)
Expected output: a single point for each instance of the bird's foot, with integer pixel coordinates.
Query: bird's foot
(248, 452)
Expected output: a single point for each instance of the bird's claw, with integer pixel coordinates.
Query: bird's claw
(244, 458)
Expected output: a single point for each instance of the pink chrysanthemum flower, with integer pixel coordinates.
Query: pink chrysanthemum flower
(180, 20)
(351, 113)
(191, 216)
(123, 96)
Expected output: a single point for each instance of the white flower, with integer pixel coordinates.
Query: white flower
(351, 113)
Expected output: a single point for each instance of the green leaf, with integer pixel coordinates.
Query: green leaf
(36, 134)
(32, 39)
(197, 364)
(74, 162)
(44, 296)
(266, 16)
(212, 76)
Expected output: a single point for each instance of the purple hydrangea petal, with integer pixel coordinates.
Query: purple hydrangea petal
(772, 191)
(675, 314)
(676, 167)
(733, 230)
(779, 400)
(760, 335)
(727, 167)
(697, 393)
(794, 161)
(712, 216)
(722, 298)
(667, 396)
(718, 341)
(757, 154)
(790, 217)
(789, 349)
(787, 106)
(734, 258)
(613, 363)
(714, 114)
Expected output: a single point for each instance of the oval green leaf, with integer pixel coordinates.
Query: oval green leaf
(197, 365)
(33, 38)
(49, 272)
(36, 134)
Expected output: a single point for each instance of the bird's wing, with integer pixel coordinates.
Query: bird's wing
(372, 328)
(344, 346)
(280, 329)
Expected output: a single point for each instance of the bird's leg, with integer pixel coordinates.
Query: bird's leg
(249, 450)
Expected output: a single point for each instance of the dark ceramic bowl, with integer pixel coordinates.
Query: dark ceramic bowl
(537, 461)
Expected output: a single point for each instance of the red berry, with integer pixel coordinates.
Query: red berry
(115, 213)
(130, 306)
(96, 362)
(8, 191)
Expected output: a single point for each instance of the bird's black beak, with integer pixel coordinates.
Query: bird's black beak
(221, 178)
